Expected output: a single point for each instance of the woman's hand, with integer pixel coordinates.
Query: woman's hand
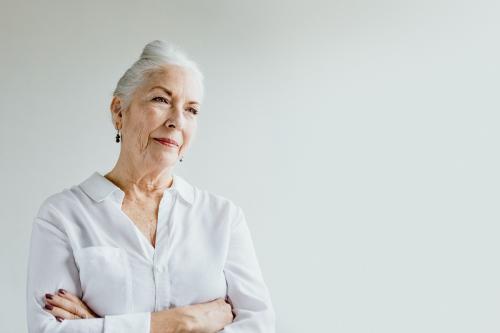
(209, 317)
(65, 305)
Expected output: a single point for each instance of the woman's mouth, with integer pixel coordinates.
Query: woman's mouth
(167, 142)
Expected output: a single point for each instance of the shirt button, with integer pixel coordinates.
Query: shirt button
(160, 269)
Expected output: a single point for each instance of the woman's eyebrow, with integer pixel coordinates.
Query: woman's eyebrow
(169, 93)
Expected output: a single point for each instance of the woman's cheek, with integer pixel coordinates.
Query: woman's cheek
(141, 136)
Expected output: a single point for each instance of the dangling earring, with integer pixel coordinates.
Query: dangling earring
(117, 135)
(181, 159)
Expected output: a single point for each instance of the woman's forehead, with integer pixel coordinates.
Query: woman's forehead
(175, 80)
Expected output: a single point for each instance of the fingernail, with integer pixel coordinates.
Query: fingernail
(59, 319)
(62, 291)
(48, 307)
(49, 296)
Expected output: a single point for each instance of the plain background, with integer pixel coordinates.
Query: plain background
(359, 137)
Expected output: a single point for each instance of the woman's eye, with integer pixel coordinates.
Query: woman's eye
(193, 111)
(160, 99)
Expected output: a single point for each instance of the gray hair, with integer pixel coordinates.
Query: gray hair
(154, 55)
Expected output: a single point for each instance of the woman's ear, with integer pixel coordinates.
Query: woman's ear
(116, 110)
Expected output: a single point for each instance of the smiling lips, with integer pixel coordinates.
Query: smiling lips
(167, 142)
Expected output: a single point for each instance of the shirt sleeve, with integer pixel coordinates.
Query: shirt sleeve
(51, 266)
(247, 290)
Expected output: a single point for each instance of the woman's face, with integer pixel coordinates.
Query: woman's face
(163, 108)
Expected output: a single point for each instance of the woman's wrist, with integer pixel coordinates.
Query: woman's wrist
(207, 317)
(177, 320)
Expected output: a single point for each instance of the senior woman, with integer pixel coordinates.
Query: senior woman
(140, 249)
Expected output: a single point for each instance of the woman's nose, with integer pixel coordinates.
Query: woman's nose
(176, 119)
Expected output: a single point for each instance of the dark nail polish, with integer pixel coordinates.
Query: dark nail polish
(62, 291)
(48, 307)
(59, 319)
(49, 296)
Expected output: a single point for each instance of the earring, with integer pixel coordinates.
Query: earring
(117, 135)
(181, 158)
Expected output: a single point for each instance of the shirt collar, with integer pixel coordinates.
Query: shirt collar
(99, 188)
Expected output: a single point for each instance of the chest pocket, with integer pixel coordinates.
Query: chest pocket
(105, 279)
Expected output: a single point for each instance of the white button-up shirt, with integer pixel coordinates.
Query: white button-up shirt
(83, 242)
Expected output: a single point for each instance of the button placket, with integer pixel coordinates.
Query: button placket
(160, 264)
(155, 280)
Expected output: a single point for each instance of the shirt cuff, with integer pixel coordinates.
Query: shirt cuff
(139, 322)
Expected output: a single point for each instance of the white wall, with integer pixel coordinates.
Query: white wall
(360, 137)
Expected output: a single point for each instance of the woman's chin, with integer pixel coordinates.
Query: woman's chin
(167, 158)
